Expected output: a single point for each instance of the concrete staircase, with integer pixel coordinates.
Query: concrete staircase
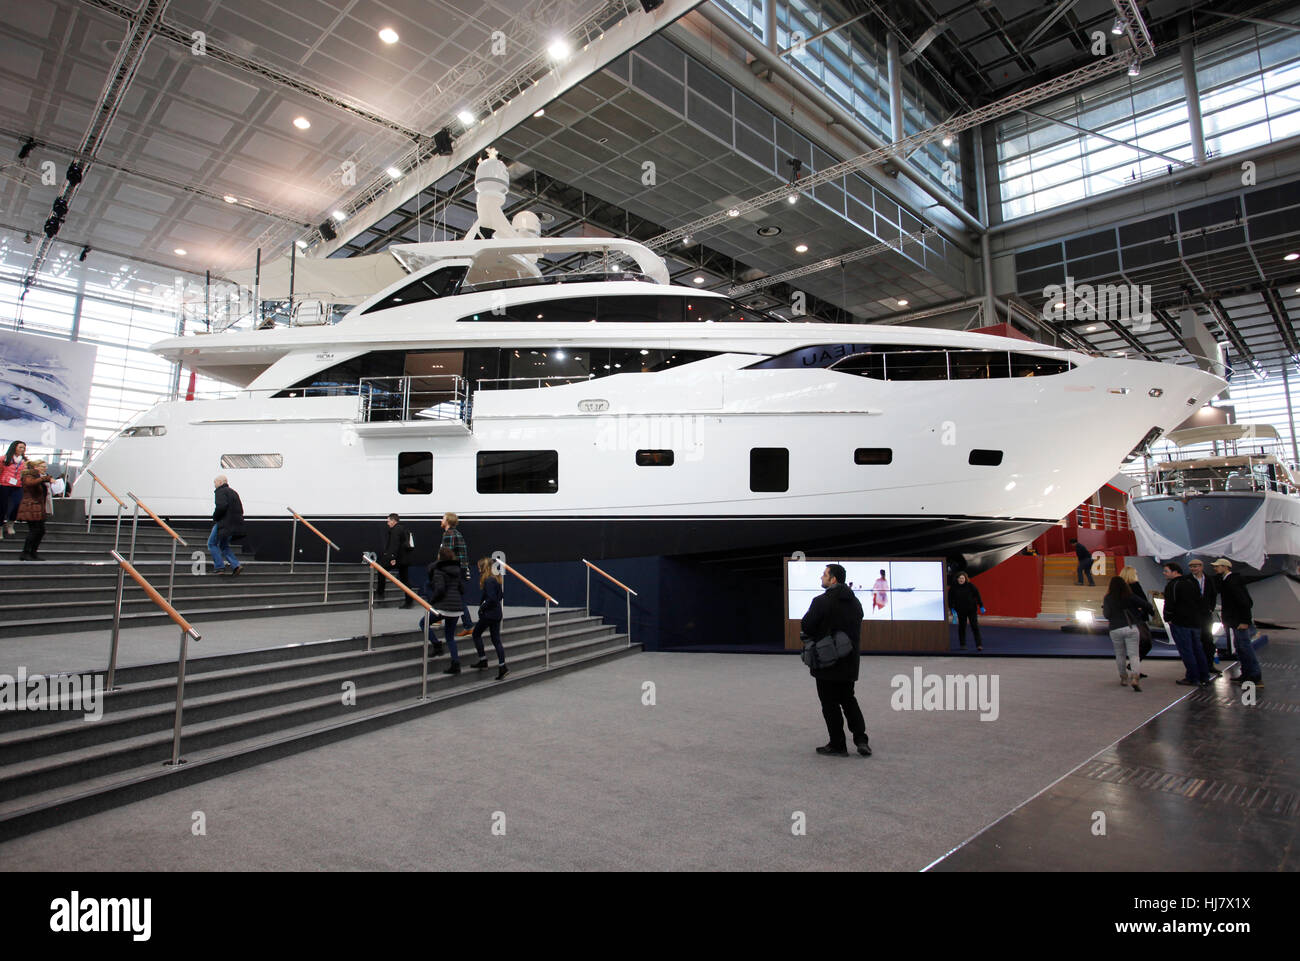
(248, 707)
(1062, 595)
(74, 588)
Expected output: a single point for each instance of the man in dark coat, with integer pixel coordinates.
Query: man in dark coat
(1183, 618)
(1236, 614)
(838, 609)
(395, 556)
(1209, 595)
(1085, 564)
(227, 525)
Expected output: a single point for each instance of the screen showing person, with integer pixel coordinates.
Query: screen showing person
(887, 590)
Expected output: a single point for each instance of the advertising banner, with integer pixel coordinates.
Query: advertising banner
(44, 390)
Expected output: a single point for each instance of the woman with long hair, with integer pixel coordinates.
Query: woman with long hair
(11, 485)
(446, 596)
(34, 508)
(1130, 576)
(490, 613)
(1123, 610)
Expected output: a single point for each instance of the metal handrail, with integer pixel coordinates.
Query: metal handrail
(90, 505)
(187, 631)
(293, 547)
(515, 380)
(549, 601)
(427, 385)
(629, 595)
(135, 520)
(428, 621)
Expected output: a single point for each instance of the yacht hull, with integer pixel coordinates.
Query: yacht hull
(1259, 531)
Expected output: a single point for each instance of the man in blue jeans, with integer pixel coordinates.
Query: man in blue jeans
(1236, 613)
(227, 523)
(1183, 618)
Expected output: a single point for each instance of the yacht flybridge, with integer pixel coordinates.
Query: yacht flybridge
(608, 413)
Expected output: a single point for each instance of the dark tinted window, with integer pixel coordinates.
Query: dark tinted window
(628, 309)
(864, 365)
(654, 458)
(873, 455)
(502, 368)
(985, 458)
(978, 364)
(916, 365)
(415, 472)
(769, 469)
(346, 374)
(518, 472)
(440, 283)
(819, 355)
(1030, 365)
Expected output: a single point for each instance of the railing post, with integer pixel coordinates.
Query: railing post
(117, 530)
(171, 572)
(424, 657)
(293, 545)
(406, 398)
(135, 521)
(628, 595)
(90, 506)
(548, 633)
(117, 621)
(180, 698)
(328, 547)
(588, 588)
(370, 605)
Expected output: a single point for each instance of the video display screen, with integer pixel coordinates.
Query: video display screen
(887, 590)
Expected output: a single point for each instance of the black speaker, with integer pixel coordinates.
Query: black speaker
(52, 226)
(327, 231)
(74, 173)
(649, 6)
(442, 143)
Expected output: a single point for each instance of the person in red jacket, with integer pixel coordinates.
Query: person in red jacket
(11, 485)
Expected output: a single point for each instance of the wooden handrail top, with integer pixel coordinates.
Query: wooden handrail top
(107, 488)
(311, 527)
(608, 578)
(530, 584)
(161, 523)
(154, 596)
(409, 593)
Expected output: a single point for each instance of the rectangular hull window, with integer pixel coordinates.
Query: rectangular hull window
(238, 461)
(985, 458)
(654, 458)
(518, 472)
(415, 472)
(769, 469)
(873, 455)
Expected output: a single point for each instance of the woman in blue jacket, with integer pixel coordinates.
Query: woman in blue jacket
(490, 614)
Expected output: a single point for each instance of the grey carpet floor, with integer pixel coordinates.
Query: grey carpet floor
(586, 777)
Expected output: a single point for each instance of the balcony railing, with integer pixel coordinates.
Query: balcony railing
(437, 397)
(1101, 518)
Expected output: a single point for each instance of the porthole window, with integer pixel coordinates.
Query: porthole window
(873, 455)
(769, 469)
(654, 458)
(415, 472)
(985, 458)
(518, 471)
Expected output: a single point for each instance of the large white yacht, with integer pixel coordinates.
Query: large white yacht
(613, 414)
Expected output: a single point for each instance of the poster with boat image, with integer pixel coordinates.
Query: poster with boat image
(44, 390)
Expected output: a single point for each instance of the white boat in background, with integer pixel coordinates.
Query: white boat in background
(609, 413)
(1241, 502)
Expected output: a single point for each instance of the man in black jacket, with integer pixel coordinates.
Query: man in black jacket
(227, 525)
(1085, 564)
(1183, 618)
(838, 609)
(1236, 614)
(395, 556)
(1209, 595)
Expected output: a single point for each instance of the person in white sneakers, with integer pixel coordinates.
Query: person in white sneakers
(11, 485)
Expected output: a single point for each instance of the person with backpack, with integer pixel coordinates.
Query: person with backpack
(490, 614)
(452, 538)
(838, 610)
(447, 597)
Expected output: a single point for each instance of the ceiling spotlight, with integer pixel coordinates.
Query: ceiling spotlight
(540, 112)
(84, 252)
(1134, 68)
(339, 215)
(733, 212)
(395, 173)
(388, 35)
(1059, 305)
(230, 199)
(699, 280)
(768, 230)
(801, 249)
(52, 225)
(302, 123)
(327, 231)
(1092, 328)
(792, 198)
(466, 117)
(60, 207)
(74, 173)
(27, 237)
(947, 140)
(179, 251)
(688, 240)
(301, 244)
(559, 49)
(1292, 257)
(1117, 28)
(902, 303)
(651, 5)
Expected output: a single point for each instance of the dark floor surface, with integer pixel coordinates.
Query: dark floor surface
(1209, 783)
